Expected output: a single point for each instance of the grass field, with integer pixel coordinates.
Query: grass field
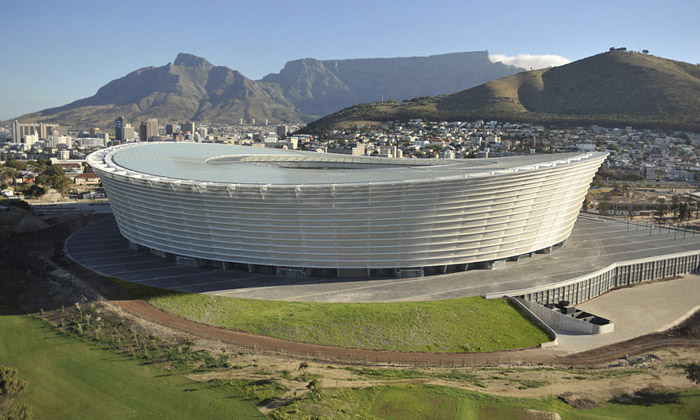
(435, 402)
(69, 379)
(457, 325)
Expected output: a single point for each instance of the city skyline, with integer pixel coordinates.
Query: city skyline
(58, 53)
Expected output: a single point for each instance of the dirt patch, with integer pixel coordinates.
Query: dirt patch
(690, 328)
(29, 223)
(577, 401)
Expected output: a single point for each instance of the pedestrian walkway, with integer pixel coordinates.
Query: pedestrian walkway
(636, 311)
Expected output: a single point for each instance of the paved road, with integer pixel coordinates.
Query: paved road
(594, 244)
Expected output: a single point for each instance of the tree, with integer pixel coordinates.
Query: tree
(8, 173)
(33, 191)
(53, 170)
(20, 165)
(55, 178)
(315, 387)
(692, 372)
(10, 387)
(675, 206)
(661, 210)
(10, 384)
(683, 212)
(692, 207)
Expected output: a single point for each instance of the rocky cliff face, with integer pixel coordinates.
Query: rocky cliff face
(320, 87)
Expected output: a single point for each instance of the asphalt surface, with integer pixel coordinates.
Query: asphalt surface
(594, 244)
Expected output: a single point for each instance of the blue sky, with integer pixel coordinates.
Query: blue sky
(54, 52)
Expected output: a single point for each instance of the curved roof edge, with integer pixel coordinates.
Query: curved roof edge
(209, 167)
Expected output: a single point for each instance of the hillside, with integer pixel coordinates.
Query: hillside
(193, 89)
(612, 88)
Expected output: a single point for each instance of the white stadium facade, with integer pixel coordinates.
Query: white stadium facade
(298, 213)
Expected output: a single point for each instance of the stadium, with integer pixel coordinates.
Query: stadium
(299, 214)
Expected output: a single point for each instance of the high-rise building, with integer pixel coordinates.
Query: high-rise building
(103, 136)
(123, 131)
(170, 129)
(56, 141)
(129, 133)
(282, 131)
(119, 129)
(41, 130)
(188, 127)
(16, 132)
(30, 139)
(148, 129)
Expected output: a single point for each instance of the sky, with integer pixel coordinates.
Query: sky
(54, 52)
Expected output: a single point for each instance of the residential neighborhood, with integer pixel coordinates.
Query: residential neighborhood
(657, 160)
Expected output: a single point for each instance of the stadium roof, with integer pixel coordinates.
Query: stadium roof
(227, 164)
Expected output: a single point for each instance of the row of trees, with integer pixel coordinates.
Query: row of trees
(679, 208)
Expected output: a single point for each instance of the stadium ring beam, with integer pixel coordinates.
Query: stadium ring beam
(297, 214)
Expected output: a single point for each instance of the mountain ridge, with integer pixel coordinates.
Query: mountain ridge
(192, 88)
(610, 88)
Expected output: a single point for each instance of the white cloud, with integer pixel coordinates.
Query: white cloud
(530, 61)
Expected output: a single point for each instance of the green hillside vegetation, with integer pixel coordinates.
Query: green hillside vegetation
(436, 402)
(69, 379)
(613, 88)
(457, 325)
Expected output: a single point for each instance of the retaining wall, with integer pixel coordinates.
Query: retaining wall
(537, 320)
(619, 274)
(566, 323)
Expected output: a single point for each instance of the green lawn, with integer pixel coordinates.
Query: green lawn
(435, 402)
(457, 325)
(70, 379)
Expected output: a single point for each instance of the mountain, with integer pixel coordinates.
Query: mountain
(193, 89)
(320, 87)
(611, 88)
